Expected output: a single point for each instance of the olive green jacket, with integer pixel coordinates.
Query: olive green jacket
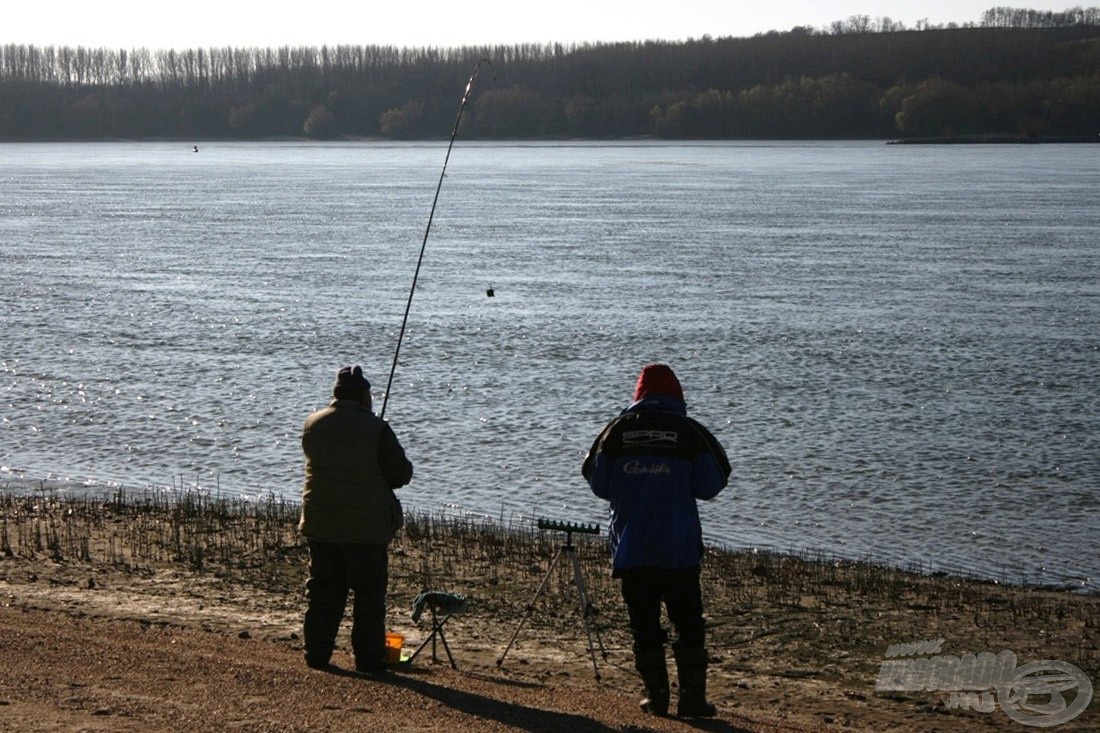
(353, 464)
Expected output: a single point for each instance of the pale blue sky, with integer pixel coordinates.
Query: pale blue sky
(206, 23)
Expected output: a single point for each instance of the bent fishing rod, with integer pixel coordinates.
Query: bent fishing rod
(428, 229)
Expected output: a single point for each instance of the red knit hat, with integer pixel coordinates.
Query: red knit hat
(658, 380)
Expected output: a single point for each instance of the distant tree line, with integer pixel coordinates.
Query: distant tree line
(1018, 72)
(1003, 17)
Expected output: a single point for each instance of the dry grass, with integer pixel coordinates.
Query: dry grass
(810, 618)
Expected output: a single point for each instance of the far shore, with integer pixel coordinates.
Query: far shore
(975, 139)
(994, 140)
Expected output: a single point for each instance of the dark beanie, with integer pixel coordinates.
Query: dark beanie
(350, 382)
(657, 380)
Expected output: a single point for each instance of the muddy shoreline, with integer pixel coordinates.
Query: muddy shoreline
(794, 641)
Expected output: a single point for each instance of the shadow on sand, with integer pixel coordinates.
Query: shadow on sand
(534, 720)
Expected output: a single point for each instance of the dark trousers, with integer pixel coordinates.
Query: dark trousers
(645, 590)
(334, 569)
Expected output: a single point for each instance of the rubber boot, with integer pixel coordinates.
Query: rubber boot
(691, 668)
(651, 666)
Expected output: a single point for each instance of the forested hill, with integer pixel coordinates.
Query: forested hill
(858, 79)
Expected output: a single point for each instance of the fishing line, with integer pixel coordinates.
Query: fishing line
(428, 229)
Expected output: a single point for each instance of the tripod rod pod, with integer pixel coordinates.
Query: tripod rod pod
(588, 611)
(569, 528)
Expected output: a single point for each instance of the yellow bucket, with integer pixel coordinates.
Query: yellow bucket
(394, 642)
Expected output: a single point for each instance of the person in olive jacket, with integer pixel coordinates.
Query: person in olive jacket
(349, 515)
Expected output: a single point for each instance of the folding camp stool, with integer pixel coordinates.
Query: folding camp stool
(441, 606)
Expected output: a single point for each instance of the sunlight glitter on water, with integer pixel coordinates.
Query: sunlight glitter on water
(897, 346)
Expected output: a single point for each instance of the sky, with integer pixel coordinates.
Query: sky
(415, 23)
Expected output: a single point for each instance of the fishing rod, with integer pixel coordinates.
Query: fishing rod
(428, 229)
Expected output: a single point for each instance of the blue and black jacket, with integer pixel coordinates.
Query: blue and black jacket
(652, 463)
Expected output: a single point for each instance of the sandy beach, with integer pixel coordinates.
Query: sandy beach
(156, 613)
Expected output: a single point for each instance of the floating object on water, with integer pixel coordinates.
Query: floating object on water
(490, 292)
(196, 149)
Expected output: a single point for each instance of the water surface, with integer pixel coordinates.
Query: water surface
(898, 345)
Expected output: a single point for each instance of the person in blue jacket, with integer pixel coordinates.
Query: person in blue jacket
(652, 463)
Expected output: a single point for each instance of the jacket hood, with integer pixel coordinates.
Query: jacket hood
(660, 403)
(347, 404)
